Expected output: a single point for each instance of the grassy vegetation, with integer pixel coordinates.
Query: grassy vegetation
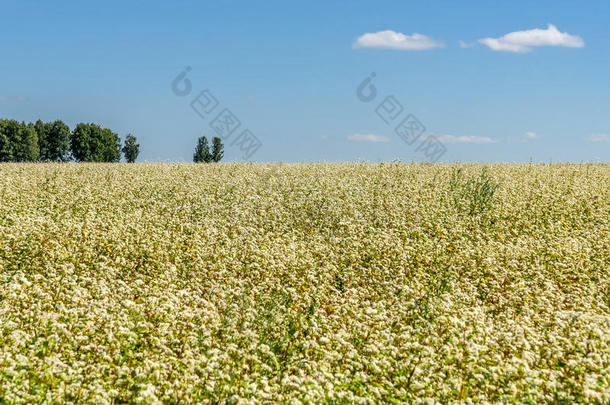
(327, 283)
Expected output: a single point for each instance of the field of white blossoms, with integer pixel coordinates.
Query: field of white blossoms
(322, 283)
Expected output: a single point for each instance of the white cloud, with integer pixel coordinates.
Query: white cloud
(599, 138)
(396, 40)
(466, 139)
(531, 135)
(368, 138)
(524, 41)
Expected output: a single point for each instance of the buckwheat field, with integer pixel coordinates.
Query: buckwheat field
(320, 283)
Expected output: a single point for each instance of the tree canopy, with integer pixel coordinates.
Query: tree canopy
(53, 142)
(202, 151)
(91, 143)
(18, 141)
(217, 149)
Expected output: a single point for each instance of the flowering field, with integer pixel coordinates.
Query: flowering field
(324, 283)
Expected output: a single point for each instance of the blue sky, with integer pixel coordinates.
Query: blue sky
(289, 72)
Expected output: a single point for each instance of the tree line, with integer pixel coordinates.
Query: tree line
(54, 142)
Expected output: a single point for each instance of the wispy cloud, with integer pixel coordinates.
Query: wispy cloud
(599, 138)
(529, 136)
(466, 139)
(368, 138)
(466, 44)
(396, 40)
(525, 41)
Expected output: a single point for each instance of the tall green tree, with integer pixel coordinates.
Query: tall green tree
(41, 130)
(217, 149)
(54, 140)
(131, 150)
(202, 151)
(80, 142)
(26, 149)
(91, 143)
(18, 142)
(6, 149)
(57, 142)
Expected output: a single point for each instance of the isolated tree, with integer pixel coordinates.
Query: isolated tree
(91, 143)
(217, 149)
(131, 150)
(202, 151)
(54, 140)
